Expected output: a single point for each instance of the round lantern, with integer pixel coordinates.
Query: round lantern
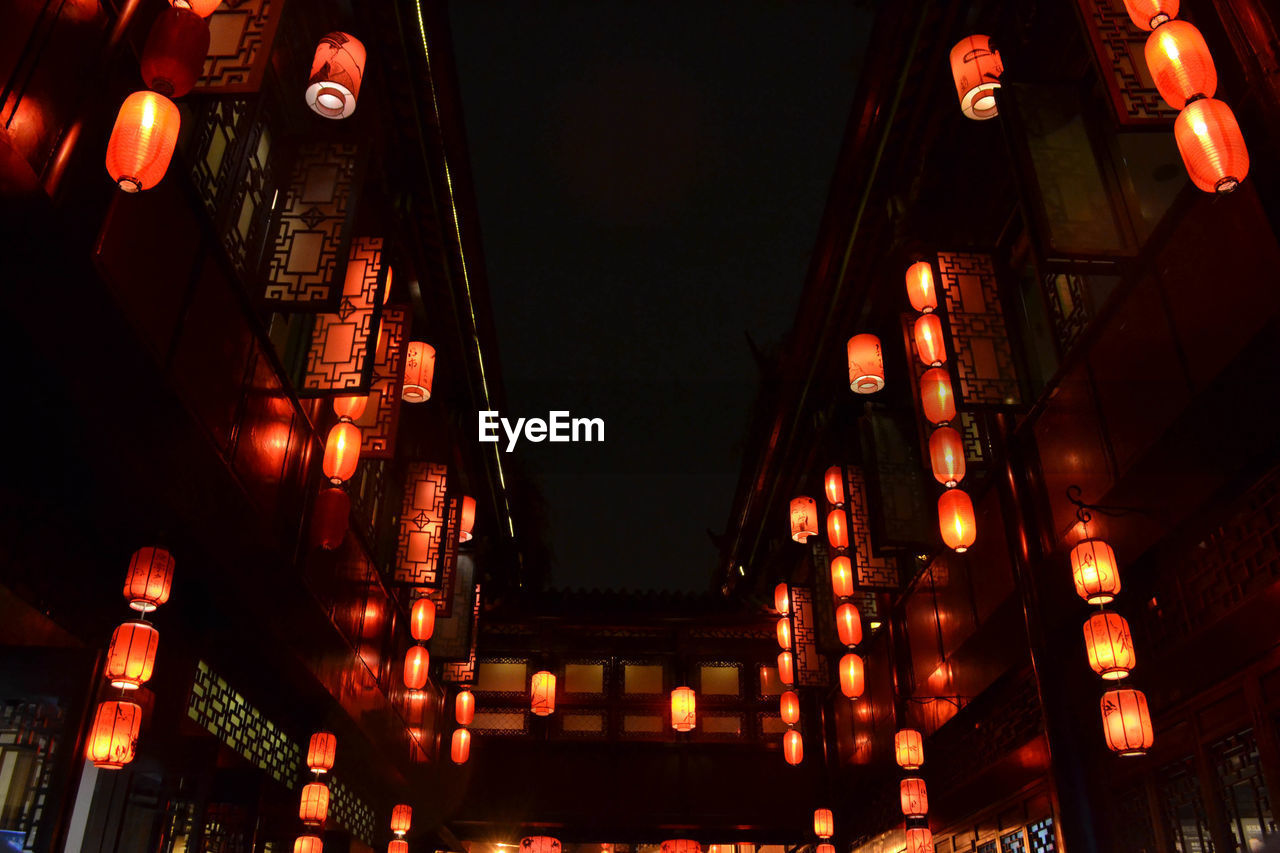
(398, 845)
(680, 845)
(930, 347)
(336, 73)
(351, 407)
(956, 521)
(460, 747)
(849, 624)
(786, 668)
(313, 809)
(782, 599)
(1126, 722)
(114, 734)
(946, 456)
(793, 747)
(823, 823)
(1109, 645)
(1180, 64)
(783, 632)
(146, 586)
(543, 693)
(131, 656)
(416, 663)
(464, 708)
(401, 819)
(142, 141)
(919, 840)
(908, 749)
(804, 518)
(321, 751)
(174, 55)
(1211, 145)
(852, 676)
(936, 398)
(203, 8)
(1095, 571)
(308, 844)
(842, 577)
(976, 70)
(1149, 14)
(866, 364)
(920, 288)
(833, 482)
(914, 797)
(422, 619)
(837, 529)
(540, 844)
(419, 371)
(341, 452)
(467, 520)
(789, 707)
(684, 709)
(330, 519)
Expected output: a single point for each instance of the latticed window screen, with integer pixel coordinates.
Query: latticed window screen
(1182, 807)
(228, 716)
(1242, 789)
(1041, 837)
(351, 812)
(29, 740)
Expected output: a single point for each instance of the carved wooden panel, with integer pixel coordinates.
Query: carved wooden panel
(982, 353)
(248, 206)
(340, 360)
(442, 594)
(871, 572)
(464, 672)
(810, 664)
(1118, 45)
(241, 33)
(382, 414)
(419, 547)
(215, 148)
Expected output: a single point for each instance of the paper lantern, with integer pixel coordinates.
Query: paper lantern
(330, 519)
(782, 599)
(114, 734)
(1180, 64)
(833, 481)
(131, 657)
(203, 8)
(1095, 571)
(680, 845)
(825, 848)
(540, 844)
(976, 70)
(786, 668)
(1109, 645)
(946, 456)
(684, 709)
(464, 707)
(308, 844)
(919, 840)
(416, 663)
(920, 287)
(351, 407)
(336, 73)
(936, 398)
(852, 676)
(783, 632)
(401, 819)
(341, 452)
(173, 57)
(1126, 722)
(313, 809)
(838, 529)
(1149, 14)
(842, 577)
(956, 521)
(866, 364)
(398, 845)
(823, 823)
(460, 747)
(142, 141)
(467, 520)
(146, 585)
(419, 371)
(1211, 145)
(422, 619)
(321, 751)
(543, 693)
(789, 707)
(849, 624)
(804, 518)
(793, 747)
(914, 796)
(908, 749)
(931, 349)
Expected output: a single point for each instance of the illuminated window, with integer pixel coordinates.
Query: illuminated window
(643, 723)
(502, 678)
(720, 680)
(583, 723)
(642, 679)
(728, 725)
(584, 678)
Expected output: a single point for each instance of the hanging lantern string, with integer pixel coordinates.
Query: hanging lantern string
(1085, 511)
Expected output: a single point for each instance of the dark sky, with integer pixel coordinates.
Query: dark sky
(650, 178)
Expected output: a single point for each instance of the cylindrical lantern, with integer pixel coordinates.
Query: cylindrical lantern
(1126, 722)
(351, 407)
(849, 624)
(920, 287)
(174, 55)
(543, 693)
(336, 73)
(422, 619)
(684, 709)
(793, 747)
(782, 598)
(460, 747)
(313, 809)
(401, 819)
(946, 456)
(203, 8)
(1211, 145)
(976, 70)
(330, 518)
(464, 707)
(842, 577)
(783, 632)
(936, 398)
(833, 481)
(919, 839)
(789, 707)
(467, 520)
(823, 823)
(680, 845)
(341, 452)
(131, 656)
(1180, 63)
(1109, 645)
(852, 676)
(931, 349)
(908, 749)
(321, 751)
(956, 521)
(142, 141)
(804, 518)
(114, 734)
(1095, 571)
(825, 847)
(398, 845)
(308, 844)
(1149, 14)
(541, 844)
(419, 371)
(786, 668)
(838, 529)
(914, 796)
(866, 364)
(416, 663)
(146, 586)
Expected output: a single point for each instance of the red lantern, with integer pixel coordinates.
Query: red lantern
(849, 624)
(336, 73)
(460, 748)
(308, 844)
(784, 632)
(1095, 571)
(1109, 645)
(936, 398)
(956, 521)
(464, 707)
(350, 408)
(920, 287)
(132, 655)
(1126, 722)
(330, 519)
(467, 520)
(789, 707)
(1149, 14)
(416, 663)
(419, 371)
(842, 577)
(142, 141)
(174, 55)
(341, 452)
(786, 668)
(919, 840)
(684, 709)
(804, 518)
(680, 845)
(931, 349)
(203, 8)
(422, 619)
(946, 456)
(321, 751)
(852, 676)
(401, 819)
(793, 747)
(825, 848)
(782, 599)
(834, 483)
(146, 586)
(908, 749)
(543, 691)
(398, 845)
(1180, 64)
(866, 364)
(837, 529)
(823, 823)
(976, 70)
(914, 796)
(1211, 145)
(114, 734)
(314, 806)
(540, 844)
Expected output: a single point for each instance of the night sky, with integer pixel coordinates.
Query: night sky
(650, 179)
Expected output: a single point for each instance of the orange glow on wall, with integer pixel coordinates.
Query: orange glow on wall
(866, 364)
(1211, 145)
(321, 751)
(467, 519)
(921, 290)
(142, 141)
(684, 705)
(401, 819)
(330, 518)
(146, 585)
(914, 796)
(786, 668)
(793, 747)
(313, 809)
(419, 372)
(976, 70)
(131, 657)
(174, 54)
(416, 663)
(919, 839)
(908, 749)
(308, 844)
(351, 407)
(203, 8)
(849, 624)
(422, 619)
(956, 521)
(543, 693)
(833, 482)
(1126, 722)
(804, 518)
(936, 397)
(341, 452)
(838, 529)
(1149, 14)
(460, 748)
(852, 676)
(1180, 63)
(1109, 645)
(823, 823)
(336, 73)
(782, 599)
(931, 349)
(789, 707)
(946, 456)
(464, 708)
(1095, 571)
(114, 734)
(783, 632)
(842, 577)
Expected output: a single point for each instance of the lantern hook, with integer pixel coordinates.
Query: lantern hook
(1085, 511)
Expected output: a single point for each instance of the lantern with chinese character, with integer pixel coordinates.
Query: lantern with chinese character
(1109, 645)
(680, 845)
(203, 8)
(920, 288)
(866, 364)
(467, 521)
(783, 632)
(908, 749)
(1180, 64)
(786, 668)
(142, 141)
(132, 655)
(793, 747)
(419, 371)
(308, 844)
(936, 398)
(146, 586)
(976, 70)
(543, 691)
(313, 809)
(336, 72)
(401, 819)
(114, 734)
(823, 823)
(956, 521)
(842, 577)
(416, 663)
(398, 845)
(1095, 571)
(1126, 722)
(1211, 145)
(460, 747)
(464, 707)
(330, 518)
(837, 529)
(321, 751)
(174, 54)
(782, 599)
(852, 676)
(919, 840)
(833, 481)
(930, 347)
(540, 844)
(849, 624)
(914, 797)
(683, 709)
(825, 847)
(422, 619)
(789, 707)
(1150, 14)
(804, 518)
(341, 452)
(946, 456)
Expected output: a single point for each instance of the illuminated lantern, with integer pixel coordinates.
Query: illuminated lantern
(330, 518)
(308, 844)
(920, 287)
(825, 848)
(419, 371)
(1095, 571)
(350, 408)
(1149, 14)
(908, 749)
(1109, 645)
(401, 819)
(142, 141)
(936, 398)
(460, 748)
(341, 452)
(793, 747)
(930, 347)
(683, 709)
(464, 708)
(203, 8)
(823, 823)
(422, 619)
(132, 655)
(1126, 722)
(914, 796)
(1211, 146)
(314, 806)
(416, 663)
(146, 586)
(789, 707)
(866, 364)
(919, 840)
(543, 691)
(321, 751)
(398, 845)
(1181, 64)
(680, 845)
(467, 520)
(784, 632)
(540, 844)
(955, 520)
(976, 70)
(173, 57)
(336, 73)
(114, 734)
(834, 483)
(852, 676)
(842, 577)
(786, 668)
(782, 599)
(946, 456)
(849, 624)
(804, 518)
(837, 529)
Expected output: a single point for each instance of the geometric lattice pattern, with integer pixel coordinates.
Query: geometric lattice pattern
(442, 595)
(215, 149)
(984, 356)
(1042, 836)
(1182, 805)
(382, 414)
(419, 546)
(871, 572)
(240, 37)
(249, 201)
(29, 738)
(464, 672)
(1238, 768)
(1121, 61)
(1067, 297)
(340, 359)
(228, 716)
(988, 847)
(1014, 842)
(350, 812)
(810, 664)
